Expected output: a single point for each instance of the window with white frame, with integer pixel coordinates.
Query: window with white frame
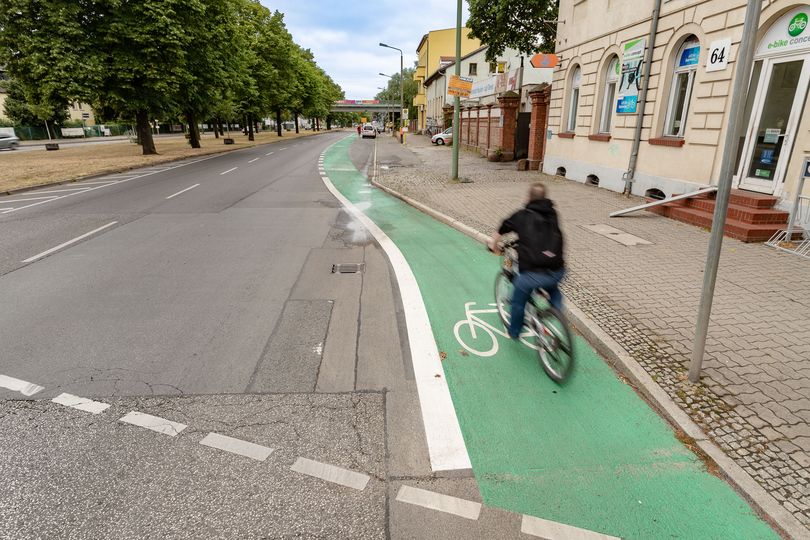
(609, 97)
(473, 69)
(573, 100)
(683, 80)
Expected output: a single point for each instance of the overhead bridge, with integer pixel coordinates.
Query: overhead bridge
(362, 105)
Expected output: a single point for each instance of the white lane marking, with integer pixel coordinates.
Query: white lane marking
(24, 387)
(280, 149)
(437, 501)
(229, 170)
(269, 154)
(330, 473)
(154, 423)
(552, 530)
(442, 431)
(237, 446)
(28, 199)
(143, 174)
(67, 190)
(69, 242)
(252, 160)
(181, 192)
(80, 403)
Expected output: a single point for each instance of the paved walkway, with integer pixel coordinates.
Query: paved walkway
(754, 400)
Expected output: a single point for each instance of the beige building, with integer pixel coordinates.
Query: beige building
(593, 105)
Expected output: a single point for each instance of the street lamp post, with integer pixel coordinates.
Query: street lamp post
(401, 86)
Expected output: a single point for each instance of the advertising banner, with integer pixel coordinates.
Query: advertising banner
(497, 84)
(630, 80)
(459, 86)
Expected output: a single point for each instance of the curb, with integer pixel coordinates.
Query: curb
(124, 169)
(779, 518)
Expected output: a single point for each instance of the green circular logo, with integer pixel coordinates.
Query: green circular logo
(797, 24)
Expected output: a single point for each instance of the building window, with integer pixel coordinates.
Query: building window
(473, 69)
(497, 67)
(683, 80)
(609, 98)
(573, 100)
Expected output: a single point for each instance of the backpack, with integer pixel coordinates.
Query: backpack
(547, 244)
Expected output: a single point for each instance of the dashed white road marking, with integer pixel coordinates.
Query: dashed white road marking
(181, 192)
(229, 170)
(80, 403)
(24, 387)
(269, 154)
(237, 446)
(280, 149)
(69, 242)
(330, 473)
(437, 501)
(252, 160)
(28, 199)
(154, 423)
(551, 530)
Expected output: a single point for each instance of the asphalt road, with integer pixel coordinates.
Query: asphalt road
(203, 293)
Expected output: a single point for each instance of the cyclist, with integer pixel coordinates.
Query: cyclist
(540, 253)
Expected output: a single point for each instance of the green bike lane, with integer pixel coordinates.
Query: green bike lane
(590, 453)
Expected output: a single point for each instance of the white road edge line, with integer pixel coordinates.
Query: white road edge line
(154, 423)
(331, 473)
(80, 403)
(553, 530)
(437, 501)
(69, 242)
(16, 385)
(252, 160)
(446, 445)
(181, 192)
(229, 170)
(237, 446)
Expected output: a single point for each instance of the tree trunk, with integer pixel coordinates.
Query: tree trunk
(193, 130)
(328, 123)
(256, 126)
(215, 125)
(221, 130)
(145, 133)
(295, 115)
(278, 122)
(250, 128)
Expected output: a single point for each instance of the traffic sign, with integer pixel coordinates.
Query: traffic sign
(544, 60)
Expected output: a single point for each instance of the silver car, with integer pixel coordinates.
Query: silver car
(445, 137)
(369, 131)
(9, 142)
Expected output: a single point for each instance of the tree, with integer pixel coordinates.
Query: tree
(17, 110)
(525, 25)
(392, 93)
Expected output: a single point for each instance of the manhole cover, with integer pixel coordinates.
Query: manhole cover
(347, 268)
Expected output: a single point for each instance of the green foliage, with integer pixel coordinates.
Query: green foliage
(519, 24)
(17, 109)
(391, 94)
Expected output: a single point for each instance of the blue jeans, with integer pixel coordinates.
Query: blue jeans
(526, 282)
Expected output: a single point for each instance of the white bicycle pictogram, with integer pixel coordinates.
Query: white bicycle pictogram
(474, 325)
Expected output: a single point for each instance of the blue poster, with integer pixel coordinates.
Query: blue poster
(690, 56)
(626, 104)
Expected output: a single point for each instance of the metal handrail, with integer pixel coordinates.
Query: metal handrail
(701, 191)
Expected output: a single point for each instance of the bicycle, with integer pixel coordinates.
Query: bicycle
(554, 344)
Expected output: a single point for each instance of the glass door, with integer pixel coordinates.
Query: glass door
(776, 110)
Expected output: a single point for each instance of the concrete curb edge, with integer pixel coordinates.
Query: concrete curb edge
(785, 523)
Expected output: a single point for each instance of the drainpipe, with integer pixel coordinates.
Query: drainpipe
(630, 174)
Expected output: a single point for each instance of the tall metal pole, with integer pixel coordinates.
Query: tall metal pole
(745, 57)
(401, 97)
(457, 99)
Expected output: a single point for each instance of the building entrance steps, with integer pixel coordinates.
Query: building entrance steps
(751, 216)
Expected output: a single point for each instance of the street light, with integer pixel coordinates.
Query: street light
(401, 85)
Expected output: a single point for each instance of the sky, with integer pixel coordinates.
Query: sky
(344, 35)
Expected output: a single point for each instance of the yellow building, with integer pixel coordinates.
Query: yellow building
(436, 50)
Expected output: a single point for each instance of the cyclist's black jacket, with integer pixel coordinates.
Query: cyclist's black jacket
(540, 239)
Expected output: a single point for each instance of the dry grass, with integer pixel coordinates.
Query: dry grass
(28, 169)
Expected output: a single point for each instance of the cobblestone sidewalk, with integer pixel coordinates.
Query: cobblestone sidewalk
(754, 400)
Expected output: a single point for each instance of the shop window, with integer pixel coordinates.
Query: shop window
(609, 97)
(683, 80)
(473, 69)
(573, 99)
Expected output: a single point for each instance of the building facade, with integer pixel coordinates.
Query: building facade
(436, 49)
(594, 110)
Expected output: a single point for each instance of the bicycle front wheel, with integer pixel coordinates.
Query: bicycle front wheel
(555, 345)
(503, 297)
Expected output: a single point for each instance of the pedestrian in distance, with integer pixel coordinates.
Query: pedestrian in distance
(540, 253)
(359, 129)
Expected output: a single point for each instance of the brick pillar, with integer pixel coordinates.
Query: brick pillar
(460, 126)
(477, 126)
(509, 102)
(447, 111)
(537, 133)
(489, 128)
(469, 126)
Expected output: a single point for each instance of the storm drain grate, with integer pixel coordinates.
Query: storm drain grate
(348, 268)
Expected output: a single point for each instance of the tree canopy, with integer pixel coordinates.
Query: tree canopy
(526, 25)
(147, 59)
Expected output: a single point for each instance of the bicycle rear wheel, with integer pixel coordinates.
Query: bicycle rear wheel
(555, 345)
(503, 296)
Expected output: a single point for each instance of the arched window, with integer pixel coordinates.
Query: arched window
(609, 98)
(573, 100)
(683, 80)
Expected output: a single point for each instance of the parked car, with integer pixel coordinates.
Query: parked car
(9, 142)
(368, 131)
(445, 137)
